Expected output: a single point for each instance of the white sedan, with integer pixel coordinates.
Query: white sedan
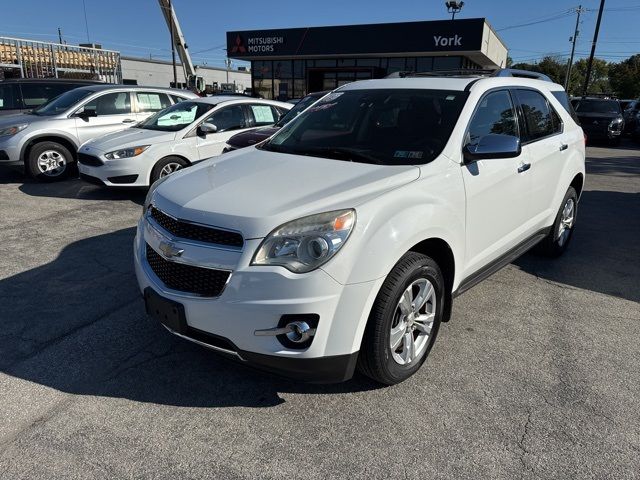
(174, 138)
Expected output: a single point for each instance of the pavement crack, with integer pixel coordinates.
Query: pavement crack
(522, 441)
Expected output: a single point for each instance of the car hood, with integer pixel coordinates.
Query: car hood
(251, 137)
(129, 137)
(254, 191)
(18, 118)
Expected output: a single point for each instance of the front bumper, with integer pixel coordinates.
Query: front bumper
(255, 298)
(126, 172)
(10, 151)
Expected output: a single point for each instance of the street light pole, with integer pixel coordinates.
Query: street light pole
(573, 49)
(593, 50)
(453, 7)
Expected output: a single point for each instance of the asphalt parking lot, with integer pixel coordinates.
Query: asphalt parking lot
(536, 376)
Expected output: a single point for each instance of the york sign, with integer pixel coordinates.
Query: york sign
(455, 41)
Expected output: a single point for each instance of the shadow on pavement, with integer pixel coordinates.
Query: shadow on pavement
(615, 167)
(78, 325)
(604, 255)
(70, 188)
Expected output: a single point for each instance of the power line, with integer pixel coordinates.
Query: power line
(528, 24)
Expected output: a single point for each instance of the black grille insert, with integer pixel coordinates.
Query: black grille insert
(90, 160)
(206, 282)
(200, 233)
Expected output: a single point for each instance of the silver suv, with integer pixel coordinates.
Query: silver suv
(46, 139)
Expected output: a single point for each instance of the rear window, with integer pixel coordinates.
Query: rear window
(35, 94)
(563, 98)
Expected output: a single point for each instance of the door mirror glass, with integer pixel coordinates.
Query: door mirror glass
(206, 128)
(87, 113)
(493, 146)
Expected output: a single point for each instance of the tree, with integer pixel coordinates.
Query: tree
(550, 66)
(625, 77)
(599, 81)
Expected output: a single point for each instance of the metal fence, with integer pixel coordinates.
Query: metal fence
(33, 59)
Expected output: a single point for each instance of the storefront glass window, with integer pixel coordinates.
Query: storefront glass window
(368, 62)
(447, 63)
(263, 88)
(424, 64)
(396, 65)
(298, 69)
(262, 69)
(282, 69)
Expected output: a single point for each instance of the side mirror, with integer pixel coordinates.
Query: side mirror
(87, 113)
(493, 146)
(207, 128)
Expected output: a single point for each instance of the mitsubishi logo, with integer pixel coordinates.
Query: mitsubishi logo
(170, 250)
(239, 46)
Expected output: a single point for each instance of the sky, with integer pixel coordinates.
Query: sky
(530, 28)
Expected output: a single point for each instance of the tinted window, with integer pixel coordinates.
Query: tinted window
(495, 114)
(229, 118)
(176, 117)
(116, 103)
(264, 114)
(35, 94)
(298, 109)
(152, 101)
(597, 106)
(537, 115)
(63, 102)
(8, 97)
(177, 99)
(563, 98)
(381, 126)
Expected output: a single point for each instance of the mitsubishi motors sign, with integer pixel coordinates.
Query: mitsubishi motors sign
(386, 38)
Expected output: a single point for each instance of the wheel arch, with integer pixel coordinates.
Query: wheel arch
(440, 251)
(578, 183)
(177, 155)
(62, 140)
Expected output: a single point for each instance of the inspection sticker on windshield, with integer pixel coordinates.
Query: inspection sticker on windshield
(407, 154)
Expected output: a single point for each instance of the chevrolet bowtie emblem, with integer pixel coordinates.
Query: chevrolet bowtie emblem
(170, 250)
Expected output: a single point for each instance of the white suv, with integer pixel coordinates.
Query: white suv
(342, 240)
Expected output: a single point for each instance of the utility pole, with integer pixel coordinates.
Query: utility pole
(173, 49)
(59, 36)
(593, 50)
(573, 49)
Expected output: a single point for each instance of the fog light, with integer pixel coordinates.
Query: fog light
(300, 332)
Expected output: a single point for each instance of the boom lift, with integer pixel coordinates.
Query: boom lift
(171, 18)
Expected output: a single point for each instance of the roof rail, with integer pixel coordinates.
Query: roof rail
(462, 72)
(514, 72)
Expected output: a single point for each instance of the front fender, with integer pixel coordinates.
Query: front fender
(390, 225)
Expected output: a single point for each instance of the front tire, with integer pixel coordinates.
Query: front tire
(404, 320)
(558, 239)
(49, 162)
(167, 166)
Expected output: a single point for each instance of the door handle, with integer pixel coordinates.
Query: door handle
(563, 147)
(524, 167)
(128, 120)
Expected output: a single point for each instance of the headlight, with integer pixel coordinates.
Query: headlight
(12, 130)
(126, 152)
(307, 243)
(152, 188)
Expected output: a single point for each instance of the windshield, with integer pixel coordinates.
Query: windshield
(176, 117)
(297, 109)
(385, 127)
(62, 103)
(597, 106)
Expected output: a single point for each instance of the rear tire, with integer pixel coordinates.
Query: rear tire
(49, 162)
(558, 239)
(167, 166)
(397, 319)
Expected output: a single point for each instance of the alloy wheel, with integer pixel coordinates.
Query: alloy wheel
(566, 221)
(170, 168)
(51, 163)
(412, 322)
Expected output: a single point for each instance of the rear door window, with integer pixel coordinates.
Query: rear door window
(228, 118)
(537, 114)
(152, 101)
(8, 97)
(263, 114)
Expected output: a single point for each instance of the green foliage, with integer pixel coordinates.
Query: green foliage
(625, 77)
(622, 79)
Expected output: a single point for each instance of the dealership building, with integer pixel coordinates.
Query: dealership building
(289, 63)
